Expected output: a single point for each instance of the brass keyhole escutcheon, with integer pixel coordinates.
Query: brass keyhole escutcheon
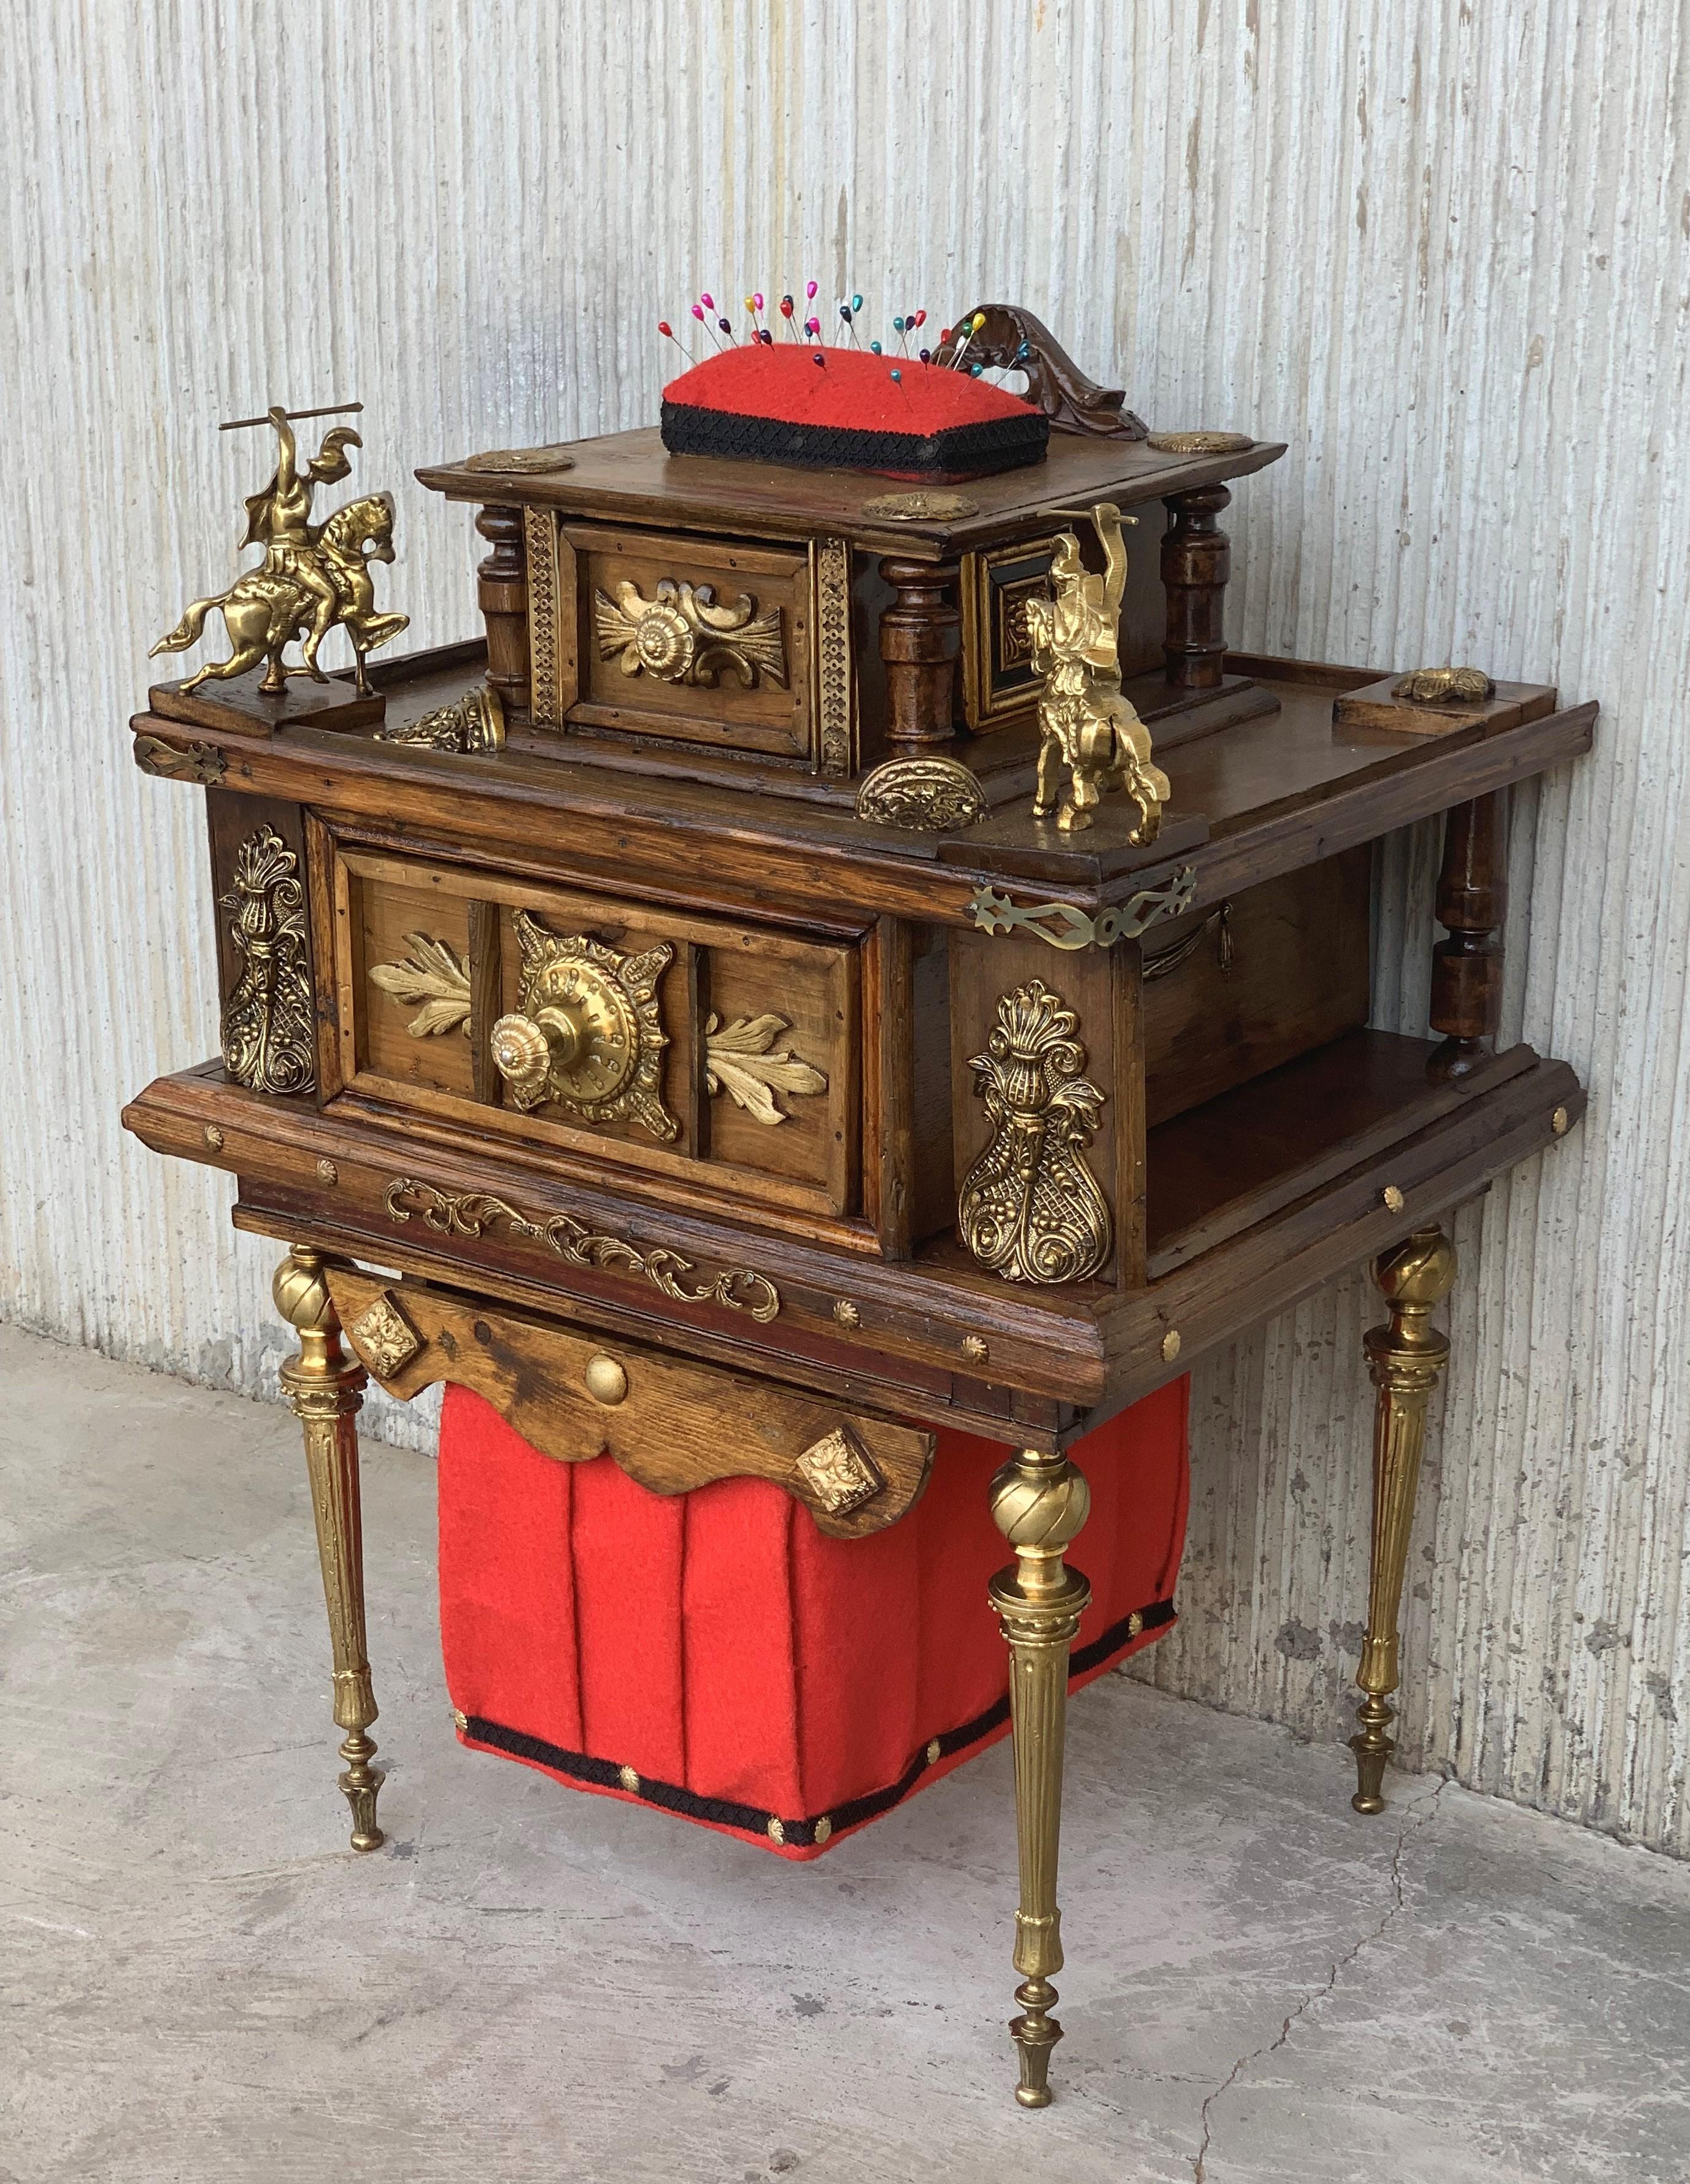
(606, 1380)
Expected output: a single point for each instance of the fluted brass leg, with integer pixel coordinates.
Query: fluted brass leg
(1039, 1503)
(326, 1389)
(1404, 1359)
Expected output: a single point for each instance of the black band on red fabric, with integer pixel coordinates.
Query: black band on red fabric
(754, 1819)
(972, 450)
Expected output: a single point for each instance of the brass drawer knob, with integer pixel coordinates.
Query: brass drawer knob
(606, 1381)
(526, 1049)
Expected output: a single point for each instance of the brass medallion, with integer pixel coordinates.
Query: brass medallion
(473, 1213)
(738, 1061)
(1030, 1208)
(475, 722)
(267, 1021)
(1446, 686)
(1065, 925)
(430, 975)
(921, 795)
(919, 508)
(1199, 444)
(384, 1337)
(522, 462)
(684, 636)
(840, 1472)
(587, 1033)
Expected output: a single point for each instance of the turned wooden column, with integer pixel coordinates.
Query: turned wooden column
(502, 587)
(1467, 968)
(1196, 560)
(920, 639)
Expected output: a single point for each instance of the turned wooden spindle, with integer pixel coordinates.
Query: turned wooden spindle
(920, 639)
(1467, 968)
(1196, 560)
(502, 588)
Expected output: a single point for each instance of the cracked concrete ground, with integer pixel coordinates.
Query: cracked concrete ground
(201, 1983)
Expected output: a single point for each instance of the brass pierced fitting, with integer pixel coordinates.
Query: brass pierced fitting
(1392, 1199)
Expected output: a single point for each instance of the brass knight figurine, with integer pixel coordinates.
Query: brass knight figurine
(1085, 723)
(313, 575)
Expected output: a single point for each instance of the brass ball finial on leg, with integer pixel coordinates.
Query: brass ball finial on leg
(1039, 1503)
(1404, 1359)
(325, 1387)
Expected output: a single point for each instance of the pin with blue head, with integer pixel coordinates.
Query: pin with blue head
(875, 349)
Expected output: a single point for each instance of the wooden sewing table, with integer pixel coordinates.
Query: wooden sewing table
(618, 873)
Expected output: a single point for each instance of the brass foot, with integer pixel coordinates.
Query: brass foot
(1039, 1503)
(1035, 2033)
(326, 1388)
(1404, 1359)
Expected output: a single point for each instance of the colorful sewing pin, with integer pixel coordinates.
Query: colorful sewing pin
(786, 313)
(669, 334)
(753, 305)
(698, 313)
(820, 356)
(874, 348)
(926, 356)
(727, 326)
(813, 328)
(968, 333)
(850, 324)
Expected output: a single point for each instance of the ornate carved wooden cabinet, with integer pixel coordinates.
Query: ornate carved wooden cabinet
(774, 1105)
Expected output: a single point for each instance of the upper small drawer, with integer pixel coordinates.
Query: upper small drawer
(697, 640)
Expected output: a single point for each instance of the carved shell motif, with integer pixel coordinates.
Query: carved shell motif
(685, 636)
(1030, 1208)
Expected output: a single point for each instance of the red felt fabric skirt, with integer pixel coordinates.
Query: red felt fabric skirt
(714, 1655)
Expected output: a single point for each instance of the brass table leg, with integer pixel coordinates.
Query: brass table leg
(1039, 1503)
(1404, 1359)
(326, 1389)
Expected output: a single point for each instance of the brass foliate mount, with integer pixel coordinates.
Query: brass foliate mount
(1446, 686)
(1404, 1359)
(1030, 1208)
(314, 577)
(268, 1025)
(432, 979)
(472, 725)
(922, 796)
(1087, 728)
(684, 635)
(742, 1060)
(587, 1032)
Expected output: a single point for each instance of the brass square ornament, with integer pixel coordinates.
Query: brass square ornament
(384, 1337)
(840, 1472)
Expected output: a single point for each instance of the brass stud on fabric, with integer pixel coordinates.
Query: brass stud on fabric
(823, 1830)
(932, 1753)
(776, 1832)
(629, 1780)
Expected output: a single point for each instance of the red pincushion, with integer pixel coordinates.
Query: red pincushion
(772, 401)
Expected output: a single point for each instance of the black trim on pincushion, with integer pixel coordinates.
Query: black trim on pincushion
(753, 1820)
(998, 444)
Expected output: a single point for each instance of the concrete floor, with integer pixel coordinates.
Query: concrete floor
(201, 1983)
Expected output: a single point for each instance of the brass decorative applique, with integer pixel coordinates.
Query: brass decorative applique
(539, 543)
(586, 1032)
(1446, 686)
(523, 462)
(1065, 925)
(267, 1023)
(1088, 729)
(472, 723)
(433, 975)
(738, 1061)
(472, 1213)
(1199, 444)
(830, 623)
(684, 636)
(919, 508)
(201, 762)
(384, 1337)
(1029, 1207)
(921, 795)
(840, 1472)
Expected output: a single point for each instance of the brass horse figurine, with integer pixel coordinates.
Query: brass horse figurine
(1086, 723)
(313, 576)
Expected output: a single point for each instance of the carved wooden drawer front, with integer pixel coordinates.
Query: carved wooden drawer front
(682, 1046)
(697, 640)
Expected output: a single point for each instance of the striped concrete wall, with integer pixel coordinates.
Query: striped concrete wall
(1443, 251)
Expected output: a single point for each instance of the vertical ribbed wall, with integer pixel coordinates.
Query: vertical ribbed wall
(1441, 250)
